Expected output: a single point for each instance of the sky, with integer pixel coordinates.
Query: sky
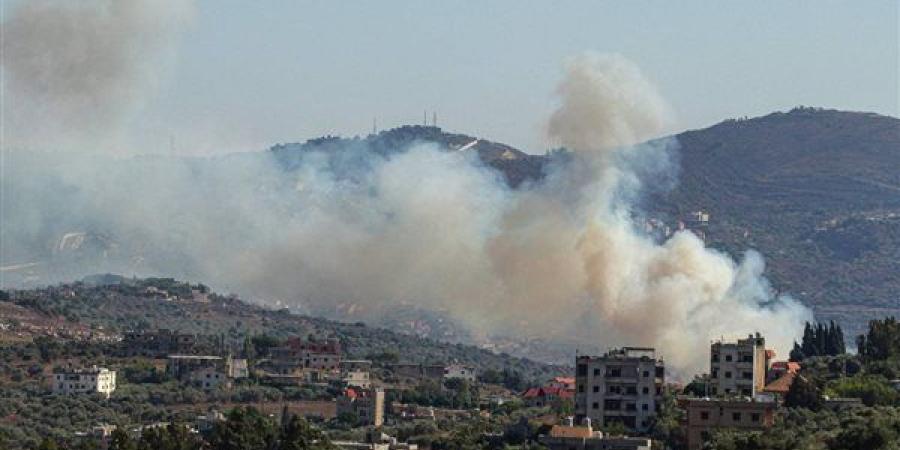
(246, 75)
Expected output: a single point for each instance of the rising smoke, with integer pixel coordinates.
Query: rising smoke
(76, 72)
(561, 258)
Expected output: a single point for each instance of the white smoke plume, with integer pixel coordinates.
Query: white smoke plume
(75, 72)
(561, 258)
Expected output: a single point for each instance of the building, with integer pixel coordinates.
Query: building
(568, 437)
(738, 368)
(703, 416)
(625, 385)
(547, 396)
(206, 371)
(356, 373)
(312, 354)
(163, 342)
(376, 440)
(434, 371)
(366, 404)
(85, 381)
(459, 372)
(567, 383)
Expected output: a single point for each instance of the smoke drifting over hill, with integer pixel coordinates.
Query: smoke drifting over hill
(559, 258)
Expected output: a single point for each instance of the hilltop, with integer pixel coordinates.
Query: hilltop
(816, 191)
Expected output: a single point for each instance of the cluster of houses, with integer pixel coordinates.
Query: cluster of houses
(622, 388)
(625, 386)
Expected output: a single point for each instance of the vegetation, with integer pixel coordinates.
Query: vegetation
(819, 340)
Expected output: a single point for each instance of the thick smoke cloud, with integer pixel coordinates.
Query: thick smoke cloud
(76, 71)
(560, 259)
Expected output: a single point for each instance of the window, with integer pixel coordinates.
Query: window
(645, 390)
(596, 372)
(736, 417)
(596, 388)
(581, 388)
(704, 415)
(715, 373)
(715, 357)
(754, 417)
(747, 375)
(581, 370)
(645, 406)
(646, 374)
(595, 405)
(727, 358)
(727, 374)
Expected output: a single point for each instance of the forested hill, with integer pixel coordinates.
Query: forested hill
(816, 191)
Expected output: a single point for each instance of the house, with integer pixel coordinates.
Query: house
(206, 371)
(366, 404)
(459, 372)
(546, 396)
(313, 354)
(84, 381)
(356, 373)
(567, 383)
(704, 415)
(569, 437)
(624, 385)
(778, 368)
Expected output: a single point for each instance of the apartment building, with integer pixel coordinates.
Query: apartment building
(738, 368)
(624, 385)
(703, 416)
(313, 354)
(85, 381)
(206, 371)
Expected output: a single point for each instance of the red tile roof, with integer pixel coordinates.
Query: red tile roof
(781, 385)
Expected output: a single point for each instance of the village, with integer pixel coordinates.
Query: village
(621, 399)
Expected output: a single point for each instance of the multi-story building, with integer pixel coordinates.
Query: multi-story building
(459, 371)
(703, 416)
(738, 368)
(366, 404)
(206, 371)
(356, 373)
(83, 381)
(321, 355)
(625, 385)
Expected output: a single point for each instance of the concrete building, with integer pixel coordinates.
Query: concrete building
(356, 373)
(206, 371)
(459, 371)
(625, 385)
(366, 404)
(703, 416)
(738, 368)
(568, 437)
(85, 381)
(312, 354)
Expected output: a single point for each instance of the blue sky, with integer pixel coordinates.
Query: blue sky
(250, 74)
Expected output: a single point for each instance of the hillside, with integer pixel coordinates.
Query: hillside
(816, 191)
(112, 305)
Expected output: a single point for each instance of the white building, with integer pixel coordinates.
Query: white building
(738, 368)
(84, 381)
(459, 371)
(625, 385)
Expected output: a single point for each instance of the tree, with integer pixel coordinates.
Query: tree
(803, 394)
(244, 429)
(120, 441)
